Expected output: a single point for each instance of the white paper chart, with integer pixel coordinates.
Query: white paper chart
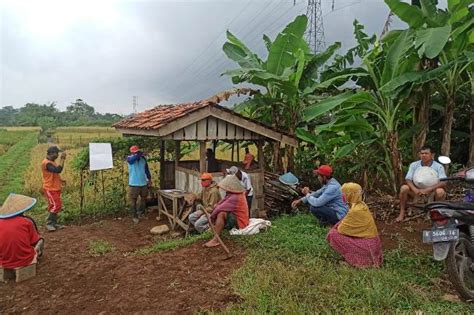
(100, 156)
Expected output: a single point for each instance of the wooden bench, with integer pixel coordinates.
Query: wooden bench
(19, 274)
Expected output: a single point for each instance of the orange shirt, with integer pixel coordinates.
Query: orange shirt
(51, 181)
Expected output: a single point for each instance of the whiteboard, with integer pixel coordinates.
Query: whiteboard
(100, 156)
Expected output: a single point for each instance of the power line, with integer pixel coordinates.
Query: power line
(211, 60)
(218, 66)
(213, 41)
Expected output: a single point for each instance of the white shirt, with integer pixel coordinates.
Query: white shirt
(247, 183)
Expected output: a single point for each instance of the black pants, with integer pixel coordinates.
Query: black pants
(325, 215)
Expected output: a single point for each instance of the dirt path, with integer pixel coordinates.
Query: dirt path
(70, 280)
(186, 280)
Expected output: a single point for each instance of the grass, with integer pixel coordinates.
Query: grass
(14, 162)
(291, 269)
(100, 248)
(172, 244)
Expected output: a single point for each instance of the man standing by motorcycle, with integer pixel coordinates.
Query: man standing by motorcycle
(409, 190)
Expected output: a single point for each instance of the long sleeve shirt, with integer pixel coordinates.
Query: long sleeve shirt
(330, 195)
(139, 173)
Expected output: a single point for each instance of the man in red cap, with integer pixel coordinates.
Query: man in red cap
(326, 203)
(139, 178)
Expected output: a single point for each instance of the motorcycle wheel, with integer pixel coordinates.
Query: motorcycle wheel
(460, 266)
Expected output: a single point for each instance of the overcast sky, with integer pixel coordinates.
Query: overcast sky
(164, 52)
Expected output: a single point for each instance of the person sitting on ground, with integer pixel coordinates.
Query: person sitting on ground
(212, 164)
(230, 212)
(248, 159)
(355, 237)
(20, 242)
(244, 179)
(52, 185)
(409, 190)
(139, 179)
(327, 203)
(206, 200)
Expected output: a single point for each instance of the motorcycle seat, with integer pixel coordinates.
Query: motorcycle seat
(451, 205)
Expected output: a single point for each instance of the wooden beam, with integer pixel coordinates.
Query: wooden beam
(257, 128)
(202, 156)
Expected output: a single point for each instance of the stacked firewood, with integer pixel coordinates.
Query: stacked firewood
(278, 196)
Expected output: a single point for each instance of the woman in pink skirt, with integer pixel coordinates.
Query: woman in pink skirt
(355, 237)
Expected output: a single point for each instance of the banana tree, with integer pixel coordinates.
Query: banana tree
(386, 64)
(288, 75)
(442, 36)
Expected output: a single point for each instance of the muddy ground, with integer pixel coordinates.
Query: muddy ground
(70, 280)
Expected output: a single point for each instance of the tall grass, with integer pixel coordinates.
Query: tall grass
(292, 270)
(14, 162)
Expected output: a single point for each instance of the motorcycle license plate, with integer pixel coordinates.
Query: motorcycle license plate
(440, 235)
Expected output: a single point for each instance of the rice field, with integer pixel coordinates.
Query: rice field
(81, 136)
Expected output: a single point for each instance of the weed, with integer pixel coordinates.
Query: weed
(172, 244)
(100, 247)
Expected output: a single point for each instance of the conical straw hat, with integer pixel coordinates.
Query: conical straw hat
(16, 204)
(231, 184)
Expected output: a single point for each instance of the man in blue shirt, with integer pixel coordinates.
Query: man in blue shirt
(327, 203)
(139, 178)
(409, 190)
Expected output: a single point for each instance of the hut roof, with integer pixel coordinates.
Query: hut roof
(177, 122)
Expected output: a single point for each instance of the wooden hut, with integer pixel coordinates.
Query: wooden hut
(205, 122)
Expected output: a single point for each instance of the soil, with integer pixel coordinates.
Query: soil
(70, 280)
(186, 280)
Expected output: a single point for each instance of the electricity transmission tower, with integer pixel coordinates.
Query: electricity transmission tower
(135, 103)
(315, 32)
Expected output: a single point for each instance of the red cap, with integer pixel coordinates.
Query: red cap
(134, 148)
(324, 170)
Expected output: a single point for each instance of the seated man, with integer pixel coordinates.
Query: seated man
(20, 243)
(426, 155)
(232, 211)
(207, 199)
(326, 203)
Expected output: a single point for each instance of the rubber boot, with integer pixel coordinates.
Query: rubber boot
(50, 222)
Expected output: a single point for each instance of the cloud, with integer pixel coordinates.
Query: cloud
(105, 52)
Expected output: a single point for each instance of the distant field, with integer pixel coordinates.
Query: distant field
(26, 128)
(81, 136)
(15, 160)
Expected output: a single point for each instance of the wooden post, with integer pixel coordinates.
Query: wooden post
(259, 196)
(238, 151)
(202, 156)
(261, 162)
(162, 164)
(232, 152)
(177, 153)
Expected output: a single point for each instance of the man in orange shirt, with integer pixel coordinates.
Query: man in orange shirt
(52, 184)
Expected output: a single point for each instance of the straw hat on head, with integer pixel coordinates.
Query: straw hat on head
(16, 204)
(231, 184)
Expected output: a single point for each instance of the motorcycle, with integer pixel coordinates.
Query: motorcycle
(452, 236)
